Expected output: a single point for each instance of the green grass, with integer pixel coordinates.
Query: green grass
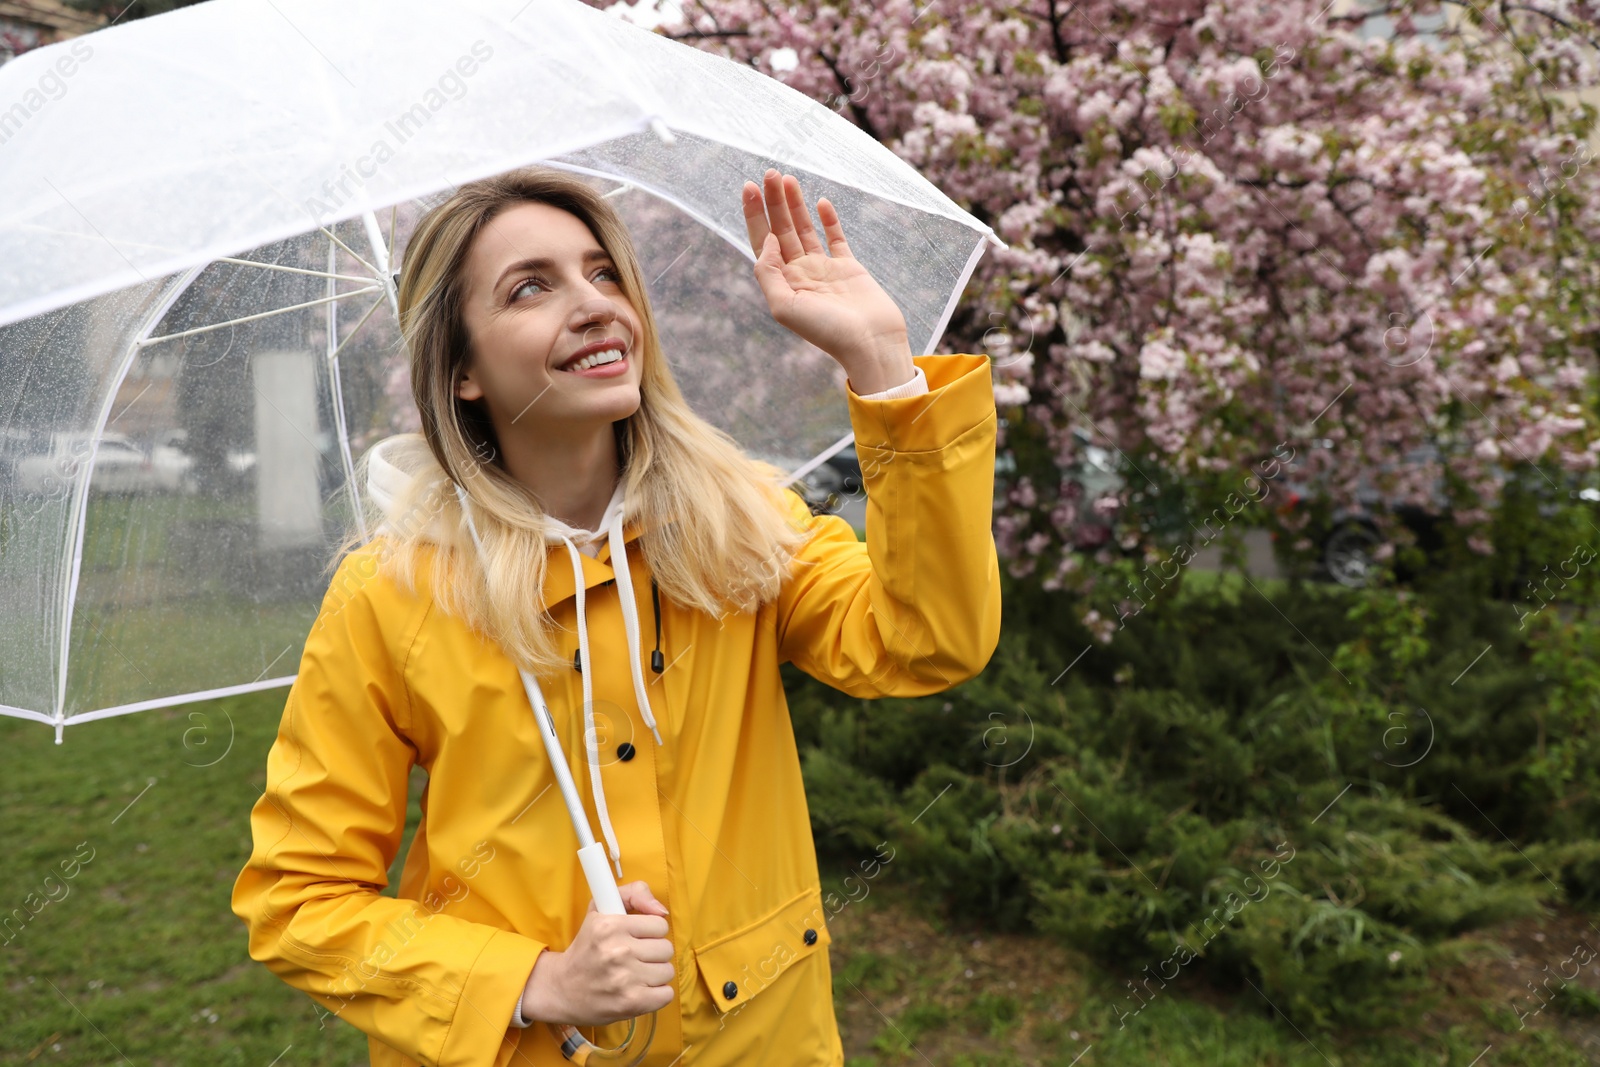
(142, 958)
(905, 1003)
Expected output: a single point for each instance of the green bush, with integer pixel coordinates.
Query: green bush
(1408, 765)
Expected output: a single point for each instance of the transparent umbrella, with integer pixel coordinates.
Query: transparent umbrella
(199, 220)
(197, 317)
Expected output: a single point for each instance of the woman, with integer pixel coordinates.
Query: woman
(601, 499)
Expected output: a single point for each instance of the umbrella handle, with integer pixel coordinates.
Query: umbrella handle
(607, 900)
(581, 1051)
(574, 1046)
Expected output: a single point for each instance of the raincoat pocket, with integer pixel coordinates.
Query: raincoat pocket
(737, 966)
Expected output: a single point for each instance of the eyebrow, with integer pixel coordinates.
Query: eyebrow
(594, 255)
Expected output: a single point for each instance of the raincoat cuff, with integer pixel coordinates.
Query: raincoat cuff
(915, 387)
(960, 397)
(491, 993)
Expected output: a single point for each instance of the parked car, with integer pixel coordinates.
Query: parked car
(840, 475)
(839, 478)
(175, 443)
(1349, 542)
(818, 490)
(1096, 475)
(120, 466)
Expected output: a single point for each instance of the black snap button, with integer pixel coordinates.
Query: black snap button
(811, 937)
(730, 990)
(625, 751)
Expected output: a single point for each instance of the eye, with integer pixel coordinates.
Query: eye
(522, 285)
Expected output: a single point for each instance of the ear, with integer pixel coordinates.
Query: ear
(467, 389)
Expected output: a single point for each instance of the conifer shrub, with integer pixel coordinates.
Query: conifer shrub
(1313, 790)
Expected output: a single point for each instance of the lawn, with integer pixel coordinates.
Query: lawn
(141, 958)
(141, 961)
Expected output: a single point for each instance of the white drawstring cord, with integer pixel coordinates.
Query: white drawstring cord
(630, 622)
(590, 742)
(630, 618)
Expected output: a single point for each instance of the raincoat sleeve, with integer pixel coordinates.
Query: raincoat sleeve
(435, 987)
(916, 608)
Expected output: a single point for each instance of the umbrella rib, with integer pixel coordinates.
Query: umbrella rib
(179, 699)
(262, 315)
(24, 713)
(362, 321)
(341, 422)
(950, 305)
(293, 270)
(347, 248)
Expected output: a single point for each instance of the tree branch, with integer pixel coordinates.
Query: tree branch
(1060, 46)
(863, 120)
(694, 35)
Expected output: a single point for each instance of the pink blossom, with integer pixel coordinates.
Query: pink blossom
(1160, 361)
(1229, 220)
(1007, 394)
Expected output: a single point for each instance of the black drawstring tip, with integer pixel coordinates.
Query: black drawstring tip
(657, 662)
(577, 660)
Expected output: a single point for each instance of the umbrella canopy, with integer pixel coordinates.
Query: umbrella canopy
(200, 215)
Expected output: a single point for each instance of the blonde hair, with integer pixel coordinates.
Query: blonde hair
(715, 532)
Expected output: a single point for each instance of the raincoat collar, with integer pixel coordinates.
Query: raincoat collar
(388, 475)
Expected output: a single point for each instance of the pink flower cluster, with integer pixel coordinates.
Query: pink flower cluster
(1235, 224)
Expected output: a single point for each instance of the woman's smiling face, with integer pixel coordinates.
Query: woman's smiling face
(539, 288)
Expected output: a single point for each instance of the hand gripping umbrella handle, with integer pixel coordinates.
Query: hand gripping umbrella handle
(607, 900)
(574, 1046)
(591, 855)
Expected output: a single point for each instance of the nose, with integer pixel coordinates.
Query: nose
(594, 310)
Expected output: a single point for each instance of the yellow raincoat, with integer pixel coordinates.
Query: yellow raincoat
(714, 819)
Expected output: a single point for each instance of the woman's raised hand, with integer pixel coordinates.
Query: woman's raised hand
(829, 300)
(618, 967)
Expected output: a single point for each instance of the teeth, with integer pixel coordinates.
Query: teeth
(597, 359)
